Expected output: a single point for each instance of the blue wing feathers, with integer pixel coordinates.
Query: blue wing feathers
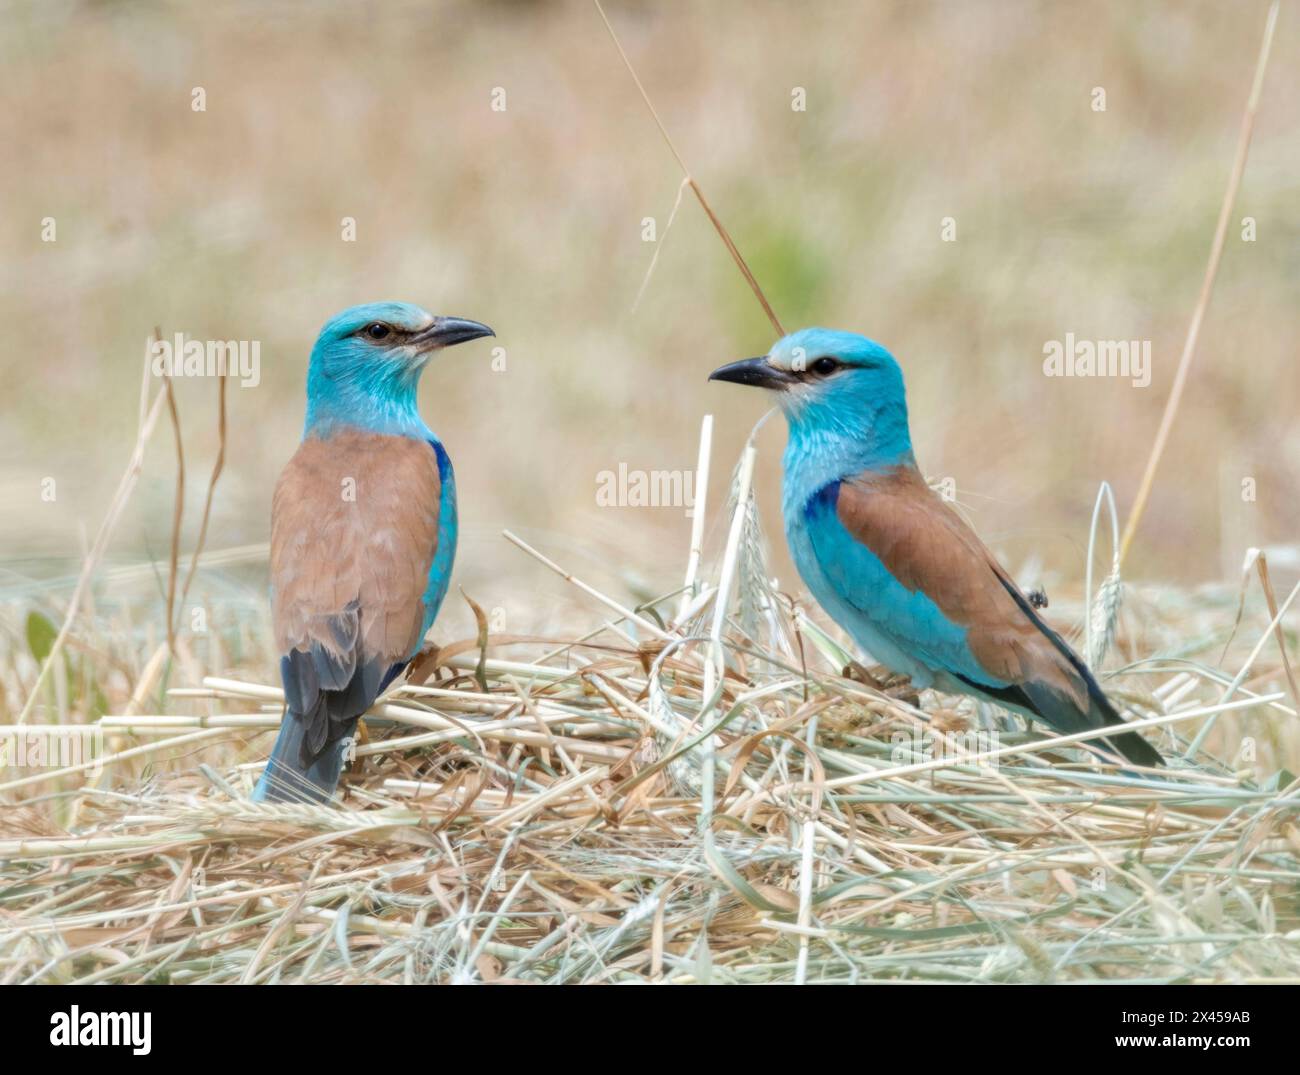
(885, 617)
(906, 630)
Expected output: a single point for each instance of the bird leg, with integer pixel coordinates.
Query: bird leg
(880, 678)
(900, 687)
(858, 672)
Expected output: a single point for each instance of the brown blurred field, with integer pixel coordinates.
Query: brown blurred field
(226, 224)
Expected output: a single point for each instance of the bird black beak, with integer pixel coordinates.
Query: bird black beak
(448, 331)
(756, 372)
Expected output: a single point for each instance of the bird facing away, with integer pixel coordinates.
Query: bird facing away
(892, 563)
(363, 534)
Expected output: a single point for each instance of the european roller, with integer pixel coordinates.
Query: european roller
(363, 534)
(890, 561)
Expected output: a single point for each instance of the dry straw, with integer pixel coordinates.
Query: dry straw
(534, 831)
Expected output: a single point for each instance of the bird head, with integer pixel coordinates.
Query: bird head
(366, 363)
(835, 387)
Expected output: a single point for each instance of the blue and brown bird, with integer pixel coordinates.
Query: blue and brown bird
(890, 561)
(363, 535)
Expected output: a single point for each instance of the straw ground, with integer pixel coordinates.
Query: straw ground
(689, 791)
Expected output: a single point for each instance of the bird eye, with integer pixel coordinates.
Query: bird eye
(825, 366)
(377, 330)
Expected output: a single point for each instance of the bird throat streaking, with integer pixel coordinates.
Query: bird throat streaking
(892, 563)
(363, 534)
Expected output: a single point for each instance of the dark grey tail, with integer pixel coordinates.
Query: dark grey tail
(1129, 744)
(1061, 712)
(286, 779)
(325, 695)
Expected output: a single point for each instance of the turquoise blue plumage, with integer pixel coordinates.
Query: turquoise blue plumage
(892, 563)
(363, 536)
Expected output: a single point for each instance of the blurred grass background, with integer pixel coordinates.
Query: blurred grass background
(225, 224)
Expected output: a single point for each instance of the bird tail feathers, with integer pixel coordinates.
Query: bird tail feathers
(287, 779)
(1062, 711)
(1129, 744)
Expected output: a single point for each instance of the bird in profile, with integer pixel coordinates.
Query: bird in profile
(363, 534)
(890, 561)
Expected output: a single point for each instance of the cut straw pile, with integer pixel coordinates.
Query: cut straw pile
(685, 795)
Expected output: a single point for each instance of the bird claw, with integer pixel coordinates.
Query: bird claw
(858, 673)
(900, 687)
(880, 678)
